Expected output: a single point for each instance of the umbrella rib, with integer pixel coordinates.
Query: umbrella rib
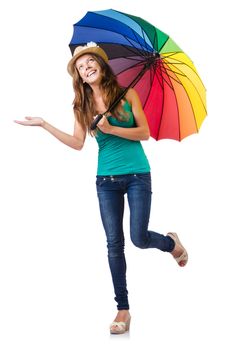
(134, 32)
(155, 40)
(124, 36)
(165, 43)
(192, 85)
(176, 103)
(155, 36)
(137, 63)
(113, 31)
(142, 52)
(181, 63)
(165, 71)
(191, 103)
(142, 29)
(170, 70)
(136, 39)
(138, 25)
(143, 32)
(162, 87)
(134, 50)
(159, 80)
(131, 67)
(134, 59)
(171, 54)
(153, 70)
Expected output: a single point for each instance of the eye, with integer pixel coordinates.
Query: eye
(80, 68)
(91, 60)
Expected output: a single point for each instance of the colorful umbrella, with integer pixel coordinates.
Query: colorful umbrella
(171, 91)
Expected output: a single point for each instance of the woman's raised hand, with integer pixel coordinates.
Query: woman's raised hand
(31, 121)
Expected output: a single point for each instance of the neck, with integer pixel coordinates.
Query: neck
(98, 99)
(97, 92)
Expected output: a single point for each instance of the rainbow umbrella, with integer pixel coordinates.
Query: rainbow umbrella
(143, 57)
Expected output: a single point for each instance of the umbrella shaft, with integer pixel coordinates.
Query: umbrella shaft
(114, 104)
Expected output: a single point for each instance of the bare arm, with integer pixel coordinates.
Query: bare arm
(75, 141)
(140, 132)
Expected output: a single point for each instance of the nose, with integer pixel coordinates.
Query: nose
(88, 65)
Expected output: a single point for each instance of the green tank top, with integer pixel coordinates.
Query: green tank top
(120, 156)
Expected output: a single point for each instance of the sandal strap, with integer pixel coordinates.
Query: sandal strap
(184, 255)
(120, 325)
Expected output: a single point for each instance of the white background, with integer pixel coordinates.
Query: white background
(56, 290)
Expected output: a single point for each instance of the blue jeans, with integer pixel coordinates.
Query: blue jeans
(111, 191)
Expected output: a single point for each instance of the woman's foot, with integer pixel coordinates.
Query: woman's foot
(179, 252)
(121, 322)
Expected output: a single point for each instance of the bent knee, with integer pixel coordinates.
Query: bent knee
(142, 244)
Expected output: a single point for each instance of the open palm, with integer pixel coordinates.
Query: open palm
(30, 121)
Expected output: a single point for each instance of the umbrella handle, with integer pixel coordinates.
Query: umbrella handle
(96, 120)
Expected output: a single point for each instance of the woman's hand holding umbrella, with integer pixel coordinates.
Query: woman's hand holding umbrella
(104, 125)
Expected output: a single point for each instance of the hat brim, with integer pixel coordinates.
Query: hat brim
(90, 50)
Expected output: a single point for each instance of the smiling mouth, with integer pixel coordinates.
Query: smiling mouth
(91, 73)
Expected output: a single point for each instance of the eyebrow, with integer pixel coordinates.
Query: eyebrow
(87, 60)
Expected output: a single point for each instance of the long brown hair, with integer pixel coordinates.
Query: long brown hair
(83, 105)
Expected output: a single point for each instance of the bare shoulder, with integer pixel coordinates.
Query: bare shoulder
(132, 96)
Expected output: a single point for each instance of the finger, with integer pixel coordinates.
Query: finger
(28, 118)
(103, 119)
(20, 122)
(101, 122)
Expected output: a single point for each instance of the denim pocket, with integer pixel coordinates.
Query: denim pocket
(100, 180)
(144, 178)
(103, 180)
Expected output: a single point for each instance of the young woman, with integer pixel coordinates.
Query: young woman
(123, 167)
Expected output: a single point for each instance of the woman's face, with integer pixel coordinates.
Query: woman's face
(89, 69)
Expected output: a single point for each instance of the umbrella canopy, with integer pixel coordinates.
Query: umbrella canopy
(171, 91)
